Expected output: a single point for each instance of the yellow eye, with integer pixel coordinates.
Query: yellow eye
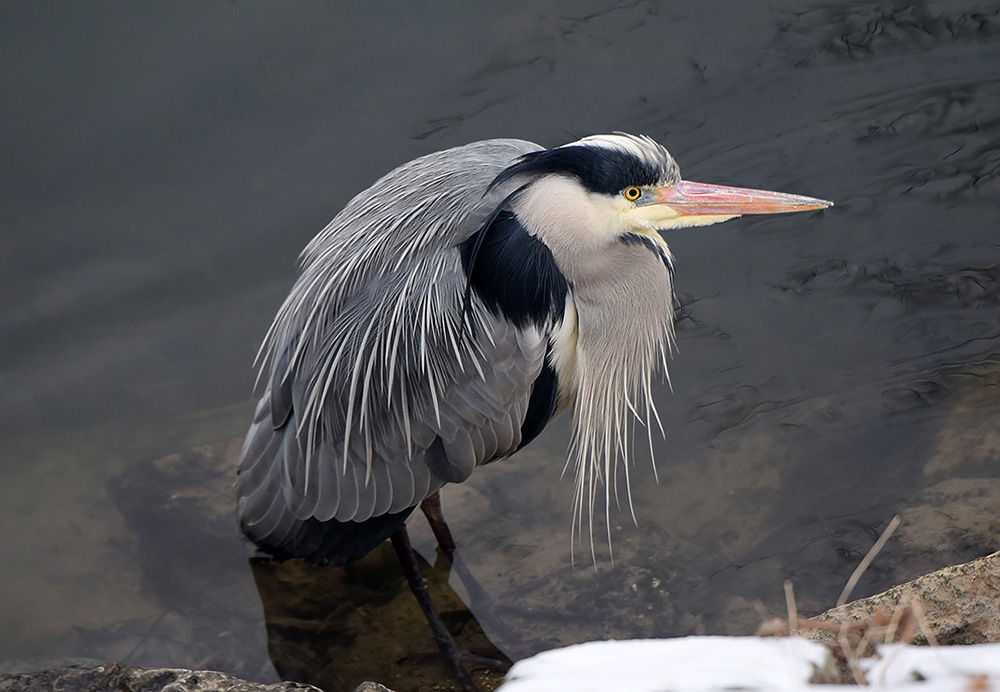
(632, 193)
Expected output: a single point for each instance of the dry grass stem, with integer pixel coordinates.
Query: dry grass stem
(921, 618)
(867, 560)
(793, 613)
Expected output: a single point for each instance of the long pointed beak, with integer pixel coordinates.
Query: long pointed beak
(702, 199)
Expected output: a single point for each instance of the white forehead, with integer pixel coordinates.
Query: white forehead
(641, 146)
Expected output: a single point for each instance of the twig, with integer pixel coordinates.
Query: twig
(850, 655)
(793, 613)
(918, 612)
(867, 560)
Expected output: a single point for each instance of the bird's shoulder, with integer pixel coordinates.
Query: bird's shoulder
(428, 204)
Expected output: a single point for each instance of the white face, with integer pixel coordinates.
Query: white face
(662, 217)
(563, 213)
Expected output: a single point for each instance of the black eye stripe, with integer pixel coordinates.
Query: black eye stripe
(599, 169)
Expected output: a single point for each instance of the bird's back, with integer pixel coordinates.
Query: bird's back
(388, 377)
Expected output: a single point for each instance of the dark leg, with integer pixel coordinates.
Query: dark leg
(461, 660)
(431, 507)
(480, 601)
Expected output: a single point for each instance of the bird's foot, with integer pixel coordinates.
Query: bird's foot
(472, 661)
(465, 663)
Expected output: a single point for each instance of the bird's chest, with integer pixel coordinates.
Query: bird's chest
(618, 320)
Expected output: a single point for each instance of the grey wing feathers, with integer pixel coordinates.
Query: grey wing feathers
(378, 394)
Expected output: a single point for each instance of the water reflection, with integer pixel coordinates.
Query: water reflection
(335, 628)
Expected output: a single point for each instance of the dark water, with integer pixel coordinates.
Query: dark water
(163, 164)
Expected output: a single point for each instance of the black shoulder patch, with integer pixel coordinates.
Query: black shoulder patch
(513, 272)
(651, 245)
(599, 169)
(541, 403)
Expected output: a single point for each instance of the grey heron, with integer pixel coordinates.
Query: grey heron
(447, 314)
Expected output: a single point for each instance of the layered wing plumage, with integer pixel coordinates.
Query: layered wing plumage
(384, 383)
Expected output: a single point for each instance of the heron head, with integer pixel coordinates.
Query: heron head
(623, 183)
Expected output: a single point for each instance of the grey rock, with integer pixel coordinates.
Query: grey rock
(130, 679)
(958, 604)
